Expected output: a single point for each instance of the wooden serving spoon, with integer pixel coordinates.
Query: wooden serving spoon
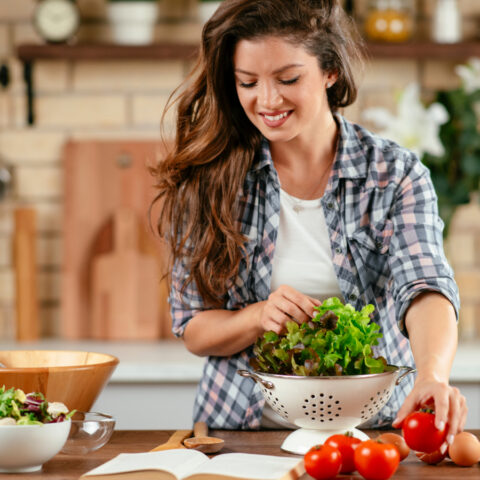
(200, 441)
(175, 441)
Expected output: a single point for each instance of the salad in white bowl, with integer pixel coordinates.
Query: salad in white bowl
(32, 430)
(18, 408)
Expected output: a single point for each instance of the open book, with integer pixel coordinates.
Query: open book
(180, 464)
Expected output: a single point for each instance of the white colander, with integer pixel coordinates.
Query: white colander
(324, 406)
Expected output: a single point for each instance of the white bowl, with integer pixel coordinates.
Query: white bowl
(25, 448)
(324, 406)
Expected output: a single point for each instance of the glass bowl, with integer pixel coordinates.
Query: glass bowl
(89, 432)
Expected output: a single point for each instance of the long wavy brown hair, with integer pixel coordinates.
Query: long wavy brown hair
(200, 180)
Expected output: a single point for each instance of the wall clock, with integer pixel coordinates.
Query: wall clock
(56, 20)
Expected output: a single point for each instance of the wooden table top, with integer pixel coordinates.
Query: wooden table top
(67, 467)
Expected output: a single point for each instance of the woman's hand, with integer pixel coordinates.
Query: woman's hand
(432, 329)
(284, 304)
(448, 403)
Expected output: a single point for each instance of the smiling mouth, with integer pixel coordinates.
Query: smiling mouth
(275, 118)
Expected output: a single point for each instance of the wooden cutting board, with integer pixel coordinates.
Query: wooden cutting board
(124, 286)
(102, 177)
(25, 261)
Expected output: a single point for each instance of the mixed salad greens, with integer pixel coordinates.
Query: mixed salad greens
(337, 341)
(18, 408)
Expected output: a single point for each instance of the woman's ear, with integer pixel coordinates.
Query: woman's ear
(332, 77)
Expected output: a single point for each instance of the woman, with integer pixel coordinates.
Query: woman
(271, 202)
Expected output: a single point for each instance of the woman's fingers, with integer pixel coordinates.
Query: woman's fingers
(409, 405)
(447, 402)
(442, 404)
(285, 304)
(457, 413)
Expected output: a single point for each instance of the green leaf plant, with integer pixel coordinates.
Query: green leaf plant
(337, 341)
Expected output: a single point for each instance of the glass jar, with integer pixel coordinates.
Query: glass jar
(389, 20)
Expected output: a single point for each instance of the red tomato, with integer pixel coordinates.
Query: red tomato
(375, 460)
(323, 462)
(346, 445)
(421, 434)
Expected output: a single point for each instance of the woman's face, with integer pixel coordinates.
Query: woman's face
(281, 88)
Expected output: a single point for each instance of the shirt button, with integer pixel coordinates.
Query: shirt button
(378, 244)
(338, 250)
(352, 297)
(330, 205)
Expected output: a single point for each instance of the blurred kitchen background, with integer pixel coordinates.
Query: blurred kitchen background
(79, 120)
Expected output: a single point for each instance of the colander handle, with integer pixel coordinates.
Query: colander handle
(256, 378)
(406, 371)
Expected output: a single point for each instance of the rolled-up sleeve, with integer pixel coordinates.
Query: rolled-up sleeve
(416, 256)
(186, 302)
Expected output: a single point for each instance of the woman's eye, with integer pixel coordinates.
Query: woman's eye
(247, 85)
(289, 81)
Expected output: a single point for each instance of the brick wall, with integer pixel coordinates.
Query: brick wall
(124, 99)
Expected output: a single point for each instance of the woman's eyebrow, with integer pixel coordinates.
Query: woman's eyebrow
(279, 70)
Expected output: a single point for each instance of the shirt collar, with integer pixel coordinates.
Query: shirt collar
(350, 158)
(263, 158)
(350, 161)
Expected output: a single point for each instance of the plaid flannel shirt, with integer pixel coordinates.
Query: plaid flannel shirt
(386, 242)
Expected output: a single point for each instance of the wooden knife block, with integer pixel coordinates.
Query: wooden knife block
(103, 178)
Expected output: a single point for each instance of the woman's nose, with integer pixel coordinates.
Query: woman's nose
(269, 97)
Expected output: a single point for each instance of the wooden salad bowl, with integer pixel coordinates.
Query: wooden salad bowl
(75, 378)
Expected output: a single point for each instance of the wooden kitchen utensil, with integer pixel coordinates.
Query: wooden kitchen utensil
(125, 286)
(175, 441)
(24, 257)
(201, 441)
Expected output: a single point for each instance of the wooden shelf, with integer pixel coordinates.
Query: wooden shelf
(423, 50)
(160, 51)
(169, 51)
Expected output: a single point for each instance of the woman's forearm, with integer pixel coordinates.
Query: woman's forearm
(432, 330)
(223, 332)
(226, 332)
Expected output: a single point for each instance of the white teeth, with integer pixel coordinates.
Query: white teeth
(276, 117)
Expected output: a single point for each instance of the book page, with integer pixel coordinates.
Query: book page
(178, 462)
(250, 466)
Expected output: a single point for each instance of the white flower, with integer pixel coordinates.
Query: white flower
(413, 126)
(470, 75)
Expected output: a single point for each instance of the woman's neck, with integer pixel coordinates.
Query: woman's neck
(298, 161)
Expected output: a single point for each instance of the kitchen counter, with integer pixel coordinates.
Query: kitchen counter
(69, 467)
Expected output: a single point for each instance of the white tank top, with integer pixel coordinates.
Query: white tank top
(303, 258)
